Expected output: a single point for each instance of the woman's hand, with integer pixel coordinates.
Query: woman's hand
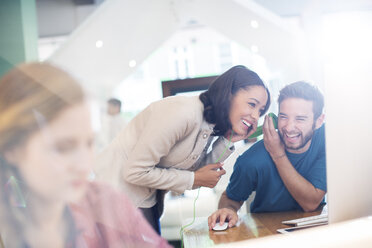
(209, 175)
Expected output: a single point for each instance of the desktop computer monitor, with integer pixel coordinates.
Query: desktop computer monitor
(348, 102)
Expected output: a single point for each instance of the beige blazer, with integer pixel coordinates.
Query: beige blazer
(160, 148)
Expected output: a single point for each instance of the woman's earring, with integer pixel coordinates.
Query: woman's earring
(14, 190)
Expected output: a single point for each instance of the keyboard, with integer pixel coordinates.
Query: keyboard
(316, 219)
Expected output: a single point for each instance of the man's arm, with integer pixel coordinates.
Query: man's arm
(302, 190)
(226, 202)
(227, 210)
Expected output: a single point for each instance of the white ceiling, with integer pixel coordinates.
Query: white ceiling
(127, 22)
(61, 17)
(297, 7)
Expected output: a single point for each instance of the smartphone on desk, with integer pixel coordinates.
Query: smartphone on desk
(295, 228)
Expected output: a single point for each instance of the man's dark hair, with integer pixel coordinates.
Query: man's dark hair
(115, 102)
(217, 98)
(304, 91)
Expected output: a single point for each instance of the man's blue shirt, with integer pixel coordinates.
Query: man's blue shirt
(254, 170)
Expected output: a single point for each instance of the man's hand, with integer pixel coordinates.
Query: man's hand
(209, 175)
(272, 141)
(222, 215)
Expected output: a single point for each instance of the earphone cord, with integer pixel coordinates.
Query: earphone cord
(197, 196)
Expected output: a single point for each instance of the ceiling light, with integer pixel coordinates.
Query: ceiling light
(99, 43)
(254, 49)
(254, 24)
(132, 63)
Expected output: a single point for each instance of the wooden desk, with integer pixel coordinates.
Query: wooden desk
(251, 225)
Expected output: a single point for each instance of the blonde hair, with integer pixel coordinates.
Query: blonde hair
(26, 92)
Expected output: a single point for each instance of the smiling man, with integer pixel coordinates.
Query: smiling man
(287, 169)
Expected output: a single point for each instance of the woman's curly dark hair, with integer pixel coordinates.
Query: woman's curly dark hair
(217, 98)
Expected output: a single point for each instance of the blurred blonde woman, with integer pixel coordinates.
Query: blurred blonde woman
(45, 158)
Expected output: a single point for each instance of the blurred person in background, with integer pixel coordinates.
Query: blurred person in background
(111, 124)
(45, 158)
